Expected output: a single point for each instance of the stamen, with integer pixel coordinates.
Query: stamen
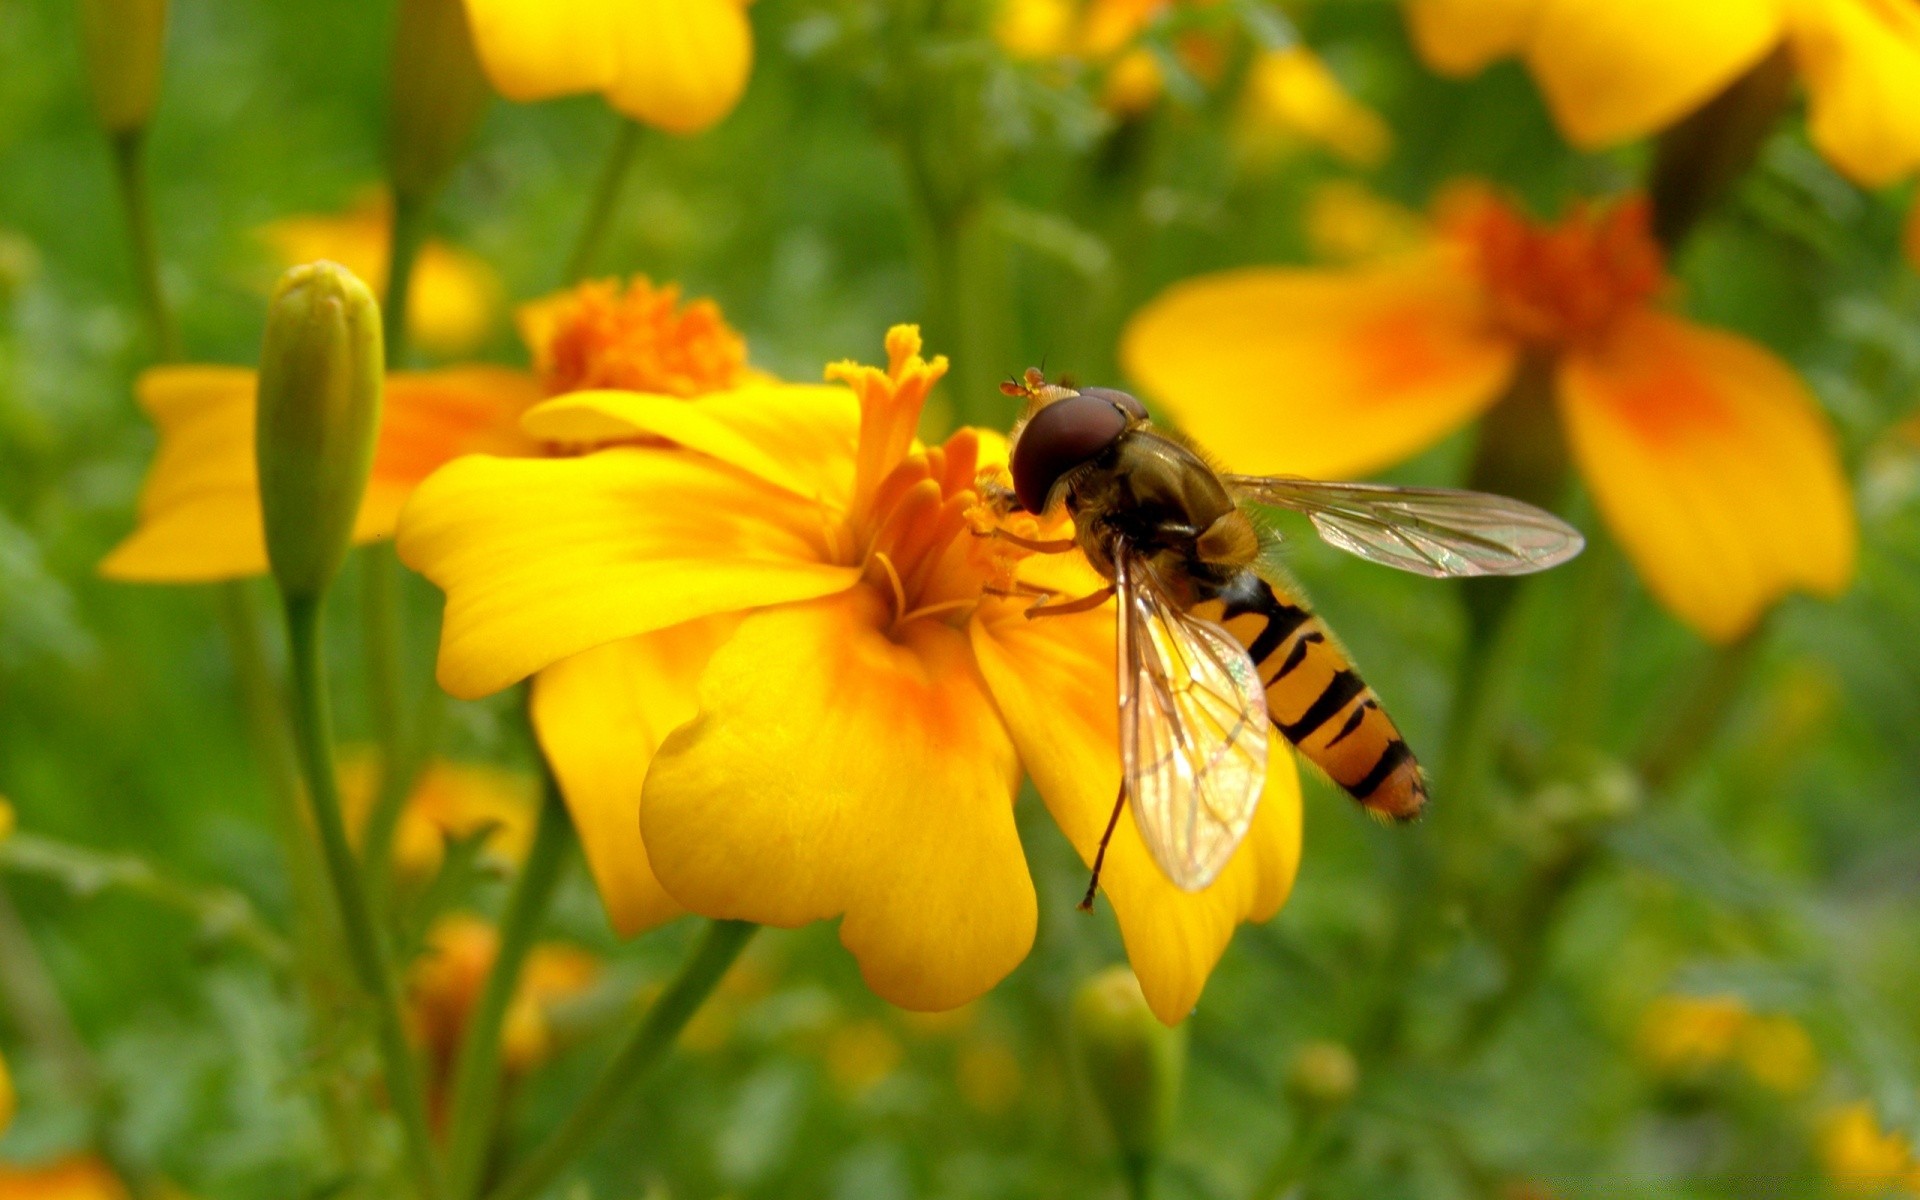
(893, 580)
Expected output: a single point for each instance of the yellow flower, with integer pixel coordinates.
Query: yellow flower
(1613, 70)
(453, 298)
(1778, 1054)
(448, 801)
(1347, 222)
(199, 517)
(1682, 1035)
(1291, 97)
(7, 1099)
(763, 627)
(1706, 455)
(862, 1055)
(987, 1073)
(1864, 1159)
(1106, 35)
(77, 1178)
(679, 65)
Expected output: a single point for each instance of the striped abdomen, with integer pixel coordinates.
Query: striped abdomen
(1316, 698)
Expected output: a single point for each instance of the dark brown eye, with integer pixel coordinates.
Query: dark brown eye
(1062, 436)
(1119, 399)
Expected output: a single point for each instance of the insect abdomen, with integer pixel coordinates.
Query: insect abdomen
(1317, 699)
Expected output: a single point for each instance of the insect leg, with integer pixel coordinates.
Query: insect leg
(1100, 855)
(1055, 546)
(1086, 603)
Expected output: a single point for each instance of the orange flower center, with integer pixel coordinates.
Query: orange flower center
(1562, 284)
(637, 339)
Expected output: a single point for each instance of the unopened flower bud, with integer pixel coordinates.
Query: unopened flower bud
(439, 94)
(1133, 1064)
(319, 411)
(124, 39)
(1322, 1076)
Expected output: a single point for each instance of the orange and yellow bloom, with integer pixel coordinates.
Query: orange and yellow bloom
(1706, 455)
(678, 65)
(76, 1178)
(769, 649)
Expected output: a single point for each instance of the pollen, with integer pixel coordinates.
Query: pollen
(1563, 284)
(638, 338)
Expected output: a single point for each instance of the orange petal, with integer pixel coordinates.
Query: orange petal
(1613, 70)
(1319, 372)
(434, 417)
(1713, 466)
(793, 436)
(1461, 37)
(834, 770)
(600, 716)
(1861, 61)
(542, 559)
(1054, 682)
(680, 65)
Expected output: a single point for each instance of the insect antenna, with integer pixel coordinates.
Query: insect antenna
(1100, 855)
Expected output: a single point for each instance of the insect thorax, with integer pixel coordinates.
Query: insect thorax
(1169, 506)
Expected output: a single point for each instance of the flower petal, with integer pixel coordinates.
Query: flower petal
(1054, 682)
(600, 716)
(1612, 70)
(680, 65)
(1861, 61)
(544, 558)
(1320, 372)
(1713, 466)
(433, 417)
(834, 770)
(1462, 37)
(793, 436)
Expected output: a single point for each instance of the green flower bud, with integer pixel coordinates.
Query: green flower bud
(124, 39)
(1132, 1062)
(319, 412)
(1322, 1076)
(439, 93)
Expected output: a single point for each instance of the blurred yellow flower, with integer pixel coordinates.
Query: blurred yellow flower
(1612, 70)
(76, 1178)
(7, 819)
(1684, 1034)
(1105, 35)
(862, 1055)
(1291, 97)
(987, 1073)
(7, 1098)
(1706, 455)
(678, 65)
(775, 595)
(1778, 1054)
(446, 982)
(1862, 1158)
(449, 800)
(199, 515)
(1348, 222)
(453, 298)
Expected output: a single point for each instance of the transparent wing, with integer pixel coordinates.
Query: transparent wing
(1430, 531)
(1193, 729)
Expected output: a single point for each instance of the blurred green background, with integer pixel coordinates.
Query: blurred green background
(1780, 866)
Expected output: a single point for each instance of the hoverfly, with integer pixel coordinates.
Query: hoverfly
(1214, 641)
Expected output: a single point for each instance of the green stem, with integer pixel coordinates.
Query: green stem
(476, 1080)
(411, 215)
(382, 642)
(645, 1047)
(1301, 1150)
(1679, 740)
(606, 195)
(37, 1011)
(397, 777)
(129, 164)
(366, 949)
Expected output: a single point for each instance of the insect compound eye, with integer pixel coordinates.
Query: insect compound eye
(1060, 437)
(1123, 401)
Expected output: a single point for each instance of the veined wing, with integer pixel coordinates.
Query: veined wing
(1193, 729)
(1430, 531)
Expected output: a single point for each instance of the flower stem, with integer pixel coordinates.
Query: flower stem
(1682, 736)
(476, 1080)
(1295, 1160)
(410, 218)
(367, 951)
(129, 165)
(606, 194)
(645, 1047)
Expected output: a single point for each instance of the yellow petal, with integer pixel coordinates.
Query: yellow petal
(1461, 37)
(1054, 682)
(680, 65)
(199, 514)
(1714, 468)
(542, 559)
(600, 716)
(793, 436)
(74, 1178)
(1861, 61)
(1319, 372)
(1613, 70)
(833, 770)
(1291, 94)
(6, 1096)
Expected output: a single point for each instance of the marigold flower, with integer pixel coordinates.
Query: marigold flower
(453, 299)
(1864, 1159)
(764, 626)
(1684, 1034)
(1292, 97)
(449, 800)
(76, 1178)
(679, 65)
(1613, 70)
(200, 509)
(1706, 455)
